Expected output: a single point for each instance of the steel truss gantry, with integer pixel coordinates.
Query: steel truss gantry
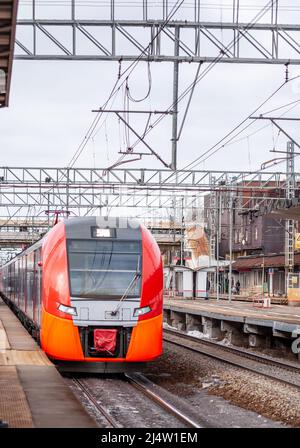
(8, 15)
(159, 50)
(188, 40)
(290, 195)
(167, 32)
(84, 190)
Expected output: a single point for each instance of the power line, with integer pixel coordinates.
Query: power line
(230, 142)
(201, 76)
(261, 128)
(130, 68)
(192, 86)
(198, 160)
(89, 134)
(129, 95)
(212, 64)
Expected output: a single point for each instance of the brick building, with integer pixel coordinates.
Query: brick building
(258, 240)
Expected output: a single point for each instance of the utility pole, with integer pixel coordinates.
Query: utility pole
(218, 241)
(289, 223)
(231, 211)
(67, 192)
(212, 222)
(212, 227)
(290, 192)
(182, 234)
(230, 246)
(48, 210)
(175, 102)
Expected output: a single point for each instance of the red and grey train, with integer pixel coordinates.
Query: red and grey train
(91, 291)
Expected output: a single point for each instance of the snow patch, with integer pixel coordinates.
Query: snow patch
(197, 334)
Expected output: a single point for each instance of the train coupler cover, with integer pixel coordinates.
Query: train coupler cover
(105, 340)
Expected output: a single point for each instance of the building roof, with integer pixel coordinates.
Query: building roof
(8, 17)
(292, 212)
(270, 261)
(283, 208)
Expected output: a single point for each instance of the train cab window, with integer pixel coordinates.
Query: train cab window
(99, 269)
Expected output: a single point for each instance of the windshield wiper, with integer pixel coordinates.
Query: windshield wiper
(129, 287)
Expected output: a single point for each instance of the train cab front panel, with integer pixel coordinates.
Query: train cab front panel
(102, 292)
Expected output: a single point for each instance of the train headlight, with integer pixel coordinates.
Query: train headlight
(67, 309)
(140, 311)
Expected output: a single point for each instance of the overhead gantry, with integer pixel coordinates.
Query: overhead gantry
(8, 17)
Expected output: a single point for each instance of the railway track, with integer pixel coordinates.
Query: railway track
(141, 385)
(283, 371)
(95, 403)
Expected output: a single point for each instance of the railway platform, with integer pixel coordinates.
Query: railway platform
(239, 321)
(32, 392)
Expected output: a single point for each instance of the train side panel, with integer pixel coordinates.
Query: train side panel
(21, 285)
(146, 339)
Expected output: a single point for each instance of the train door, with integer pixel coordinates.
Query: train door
(34, 286)
(25, 284)
(18, 280)
(12, 283)
(22, 293)
(38, 286)
(30, 279)
(21, 290)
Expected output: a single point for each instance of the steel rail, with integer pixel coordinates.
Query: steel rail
(98, 406)
(254, 356)
(210, 348)
(138, 381)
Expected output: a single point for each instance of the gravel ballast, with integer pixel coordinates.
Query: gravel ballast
(227, 395)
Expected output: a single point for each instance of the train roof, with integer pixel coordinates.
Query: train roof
(122, 228)
(103, 222)
(80, 227)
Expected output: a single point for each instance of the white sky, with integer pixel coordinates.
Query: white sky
(51, 103)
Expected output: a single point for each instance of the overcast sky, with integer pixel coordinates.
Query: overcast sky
(51, 102)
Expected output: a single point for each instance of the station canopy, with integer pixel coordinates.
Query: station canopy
(8, 15)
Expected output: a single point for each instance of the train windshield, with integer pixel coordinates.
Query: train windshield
(99, 269)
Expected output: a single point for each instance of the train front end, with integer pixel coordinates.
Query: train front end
(102, 294)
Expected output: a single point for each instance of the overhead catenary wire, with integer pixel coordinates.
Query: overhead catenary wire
(192, 86)
(197, 80)
(218, 146)
(262, 127)
(116, 88)
(196, 161)
(293, 103)
(78, 155)
(139, 100)
(211, 65)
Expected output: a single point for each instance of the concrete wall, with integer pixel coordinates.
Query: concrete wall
(239, 331)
